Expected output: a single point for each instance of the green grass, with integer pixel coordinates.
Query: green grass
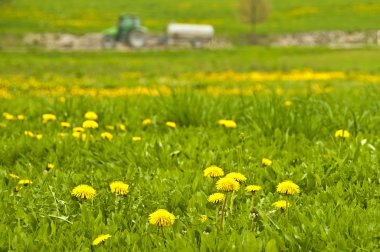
(337, 208)
(80, 17)
(109, 65)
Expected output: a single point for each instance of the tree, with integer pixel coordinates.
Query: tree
(253, 12)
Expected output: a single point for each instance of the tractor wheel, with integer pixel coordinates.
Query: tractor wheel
(136, 38)
(108, 42)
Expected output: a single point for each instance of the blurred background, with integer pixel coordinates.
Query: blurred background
(339, 23)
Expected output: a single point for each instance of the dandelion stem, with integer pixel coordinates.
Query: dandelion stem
(217, 214)
(232, 202)
(287, 206)
(222, 218)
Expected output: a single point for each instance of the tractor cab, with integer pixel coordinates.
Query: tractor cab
(129, 30)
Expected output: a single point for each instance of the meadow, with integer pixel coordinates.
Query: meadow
(92, 144)
(18, 17)
(289, 115)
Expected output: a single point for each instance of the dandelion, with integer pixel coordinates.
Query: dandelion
(83, 192)
(136, 139)
(216, 198)
(227, 123)
(61, 134)
(28, 133)
(236, 176)
(20, 117)
(288, 188)
(161, 218)
(266, 162)
(110, 127)
(342, 134)
(170, 124)
(253, 188)
(90, 115)
(13, 176)
(90, 124)
(203, 218)
(78, 129)
(50, 167)
(8, 116)
(17, 189)
(146, 122)
(227, 185)
(106, 135)
(65, 125)
(122, 127)
(25, 182)
(119, 187)
(213, 171)
(48, 117)
(281, 204)
(101, 238)
(288, 103)
(39, 136)
(76, 134)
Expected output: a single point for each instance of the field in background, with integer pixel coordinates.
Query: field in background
(22, 16)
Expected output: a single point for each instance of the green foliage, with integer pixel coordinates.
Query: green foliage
(337, 208)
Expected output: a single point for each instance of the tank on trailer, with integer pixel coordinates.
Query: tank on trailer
(197, 35)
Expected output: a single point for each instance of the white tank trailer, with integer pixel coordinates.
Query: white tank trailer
(197, 35)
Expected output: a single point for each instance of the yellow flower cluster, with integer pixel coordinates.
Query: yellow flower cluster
(227, 123)
(343, 134)
(161, 218)
(213, 172)
(119, 187)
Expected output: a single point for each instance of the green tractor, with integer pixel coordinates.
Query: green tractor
(129, 30)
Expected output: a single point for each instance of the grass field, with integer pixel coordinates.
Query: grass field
(287, 116)
(160, 118)
(18, 17)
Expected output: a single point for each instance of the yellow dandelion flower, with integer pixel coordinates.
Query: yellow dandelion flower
(122, 127)
(65, 125)
(61, 134)
(76, 134)
(213, 171)
(119, 187)
(8, 116)
(20, 117)
(266, 162)
(227, 184)
(147, 122)
(14, 176)
(203, 218)
(288, 187)
(216, 198)
(90, 115)
(39, 136)
(342, 134)
(25, 182)
(237, 176)
(253, 188)
(281, 204)
(90, 124)
(28, 133)
(170, 124)
(101, 238)
(288, 103)
(50, 166)
(161, 218)
(86, 137)
(48, 117)
(78, 129)
(136, 139)
(227, 123)
(110, 127)
(106, 135)
(83, 192)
